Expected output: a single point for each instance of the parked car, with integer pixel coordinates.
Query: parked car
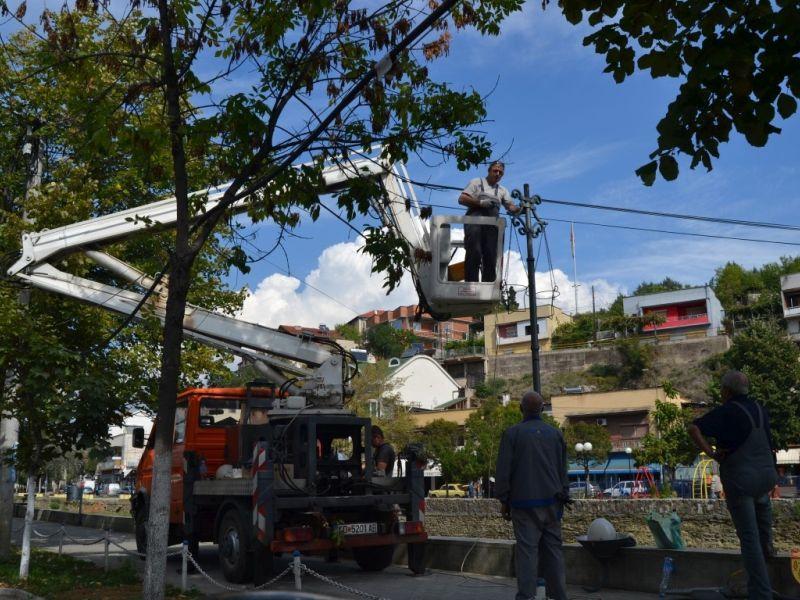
(577, 489)
(626, 489)
(450, 490)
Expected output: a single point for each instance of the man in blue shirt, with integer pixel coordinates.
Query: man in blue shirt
(744, 451)
(532, 485)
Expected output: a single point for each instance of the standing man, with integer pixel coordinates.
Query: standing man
(532, 487)
(747, 471)
(483, 197)
(384, 455)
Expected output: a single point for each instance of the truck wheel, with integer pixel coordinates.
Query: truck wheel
(235, 560)
(374, 558)
(416, 558)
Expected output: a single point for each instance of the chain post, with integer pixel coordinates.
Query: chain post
(184, 565)
(107, 541)
(298, 577)
(61, 540)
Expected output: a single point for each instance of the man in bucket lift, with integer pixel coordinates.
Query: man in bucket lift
(483, 197)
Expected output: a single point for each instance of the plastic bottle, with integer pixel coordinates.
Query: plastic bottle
(541, 592)
(666, 575)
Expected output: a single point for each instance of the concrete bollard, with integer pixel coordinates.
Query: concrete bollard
(107, 542)
(298, 577)
(184, 564)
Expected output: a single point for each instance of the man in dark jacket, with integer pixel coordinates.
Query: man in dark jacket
(532, 484)
(744, 451)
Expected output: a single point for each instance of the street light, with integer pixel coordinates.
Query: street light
(629, 451)
(583, 449)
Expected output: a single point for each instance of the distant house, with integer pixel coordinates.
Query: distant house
(790, 300)
(626, 413)
(693, 311)
(422, 383)
(433, 335)
(510, 332)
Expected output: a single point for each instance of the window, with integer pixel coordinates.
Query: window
(180, 424)
(538, 329)
(695, 311)
(507, 331)
(215, 412)
(417, 325)
(661, 314)
(793, 300)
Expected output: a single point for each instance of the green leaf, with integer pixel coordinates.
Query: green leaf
(647, 173)
(787, 105)
(668, 167)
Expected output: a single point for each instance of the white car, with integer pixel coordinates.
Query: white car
(626, 489)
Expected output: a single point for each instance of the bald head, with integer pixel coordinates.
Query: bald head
(734, 383)
(531, 404)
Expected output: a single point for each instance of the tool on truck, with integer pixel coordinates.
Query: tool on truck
(284, 466)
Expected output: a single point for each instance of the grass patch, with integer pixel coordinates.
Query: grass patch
(67, 578)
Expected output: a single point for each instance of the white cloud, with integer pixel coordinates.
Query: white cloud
(557, 287)
(341, 287)
(568, 164)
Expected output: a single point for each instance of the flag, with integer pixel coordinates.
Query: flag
(572, 238)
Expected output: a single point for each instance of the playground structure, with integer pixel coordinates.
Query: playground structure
(702, 478)
(645, 483)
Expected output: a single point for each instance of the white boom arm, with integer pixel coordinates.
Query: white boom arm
(274, 352)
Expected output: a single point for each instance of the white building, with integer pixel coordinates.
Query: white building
(422, 383)
(790, 300)
(123, 457)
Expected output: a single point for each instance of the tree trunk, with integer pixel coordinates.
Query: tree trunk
(158, 518)
(25, 557)
(8, 440)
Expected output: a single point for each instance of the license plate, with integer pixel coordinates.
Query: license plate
(358, 528)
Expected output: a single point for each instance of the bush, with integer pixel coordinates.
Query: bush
(55, 504)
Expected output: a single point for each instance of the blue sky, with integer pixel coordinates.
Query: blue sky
(569, 131)
(573, 134)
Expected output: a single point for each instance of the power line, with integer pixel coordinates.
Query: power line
(671, 232)
(653, 213)
(655, 230)
(649, 213)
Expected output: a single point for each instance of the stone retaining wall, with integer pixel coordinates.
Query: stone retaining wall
(691, 351)
(704, 523)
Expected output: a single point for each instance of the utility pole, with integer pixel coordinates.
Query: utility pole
(531, 230)
(594, 317)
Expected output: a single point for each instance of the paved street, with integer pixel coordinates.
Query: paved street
(396, 583)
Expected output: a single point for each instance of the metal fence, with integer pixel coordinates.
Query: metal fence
(296, 568)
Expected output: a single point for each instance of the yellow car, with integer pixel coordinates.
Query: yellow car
(450, 490)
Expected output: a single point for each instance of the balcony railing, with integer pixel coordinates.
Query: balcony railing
(680, 321)
(620, 444)
(469, 351)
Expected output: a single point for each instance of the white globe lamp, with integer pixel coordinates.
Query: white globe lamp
(601, 530)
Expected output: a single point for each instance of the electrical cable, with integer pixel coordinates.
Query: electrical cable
(656, 230)
(669, 215)
(650, 213)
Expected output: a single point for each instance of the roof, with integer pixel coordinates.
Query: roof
(302, 330)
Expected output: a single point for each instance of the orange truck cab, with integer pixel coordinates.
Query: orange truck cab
(258, 478)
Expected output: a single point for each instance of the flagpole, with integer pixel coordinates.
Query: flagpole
(574, 264)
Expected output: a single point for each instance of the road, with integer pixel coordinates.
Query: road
(395, 583)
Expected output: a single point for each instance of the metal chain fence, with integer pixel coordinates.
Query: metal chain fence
(297, 567)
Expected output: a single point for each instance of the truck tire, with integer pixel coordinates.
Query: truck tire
(374, 558)
(234, 558)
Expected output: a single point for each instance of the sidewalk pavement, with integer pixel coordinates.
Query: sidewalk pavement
(395, 583)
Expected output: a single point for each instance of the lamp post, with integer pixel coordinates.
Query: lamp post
(629, 451)
(583, 449)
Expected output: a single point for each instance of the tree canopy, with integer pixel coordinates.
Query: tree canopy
(326, 82)
(386, 341)
(771, 362)
(737, 62)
